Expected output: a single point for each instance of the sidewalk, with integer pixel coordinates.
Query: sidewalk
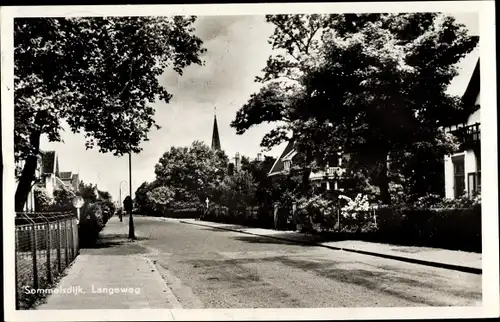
(449, 259)
(100, 280)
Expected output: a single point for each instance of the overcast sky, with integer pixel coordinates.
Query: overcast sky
(237, 50)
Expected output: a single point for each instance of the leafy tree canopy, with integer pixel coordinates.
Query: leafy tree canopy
(97, 74)
(372, 85)
(192, 172)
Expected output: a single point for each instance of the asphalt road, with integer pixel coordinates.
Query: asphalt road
(211, 268)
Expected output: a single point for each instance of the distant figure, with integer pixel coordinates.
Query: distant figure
(120, 214)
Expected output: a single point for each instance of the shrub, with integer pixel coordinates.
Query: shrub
(91, 223)
(315, 210)
(63, 201)
(108, 210)
(453, 228)
(42, 199)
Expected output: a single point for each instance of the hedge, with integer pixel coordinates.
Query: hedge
(449, 228)
(183, 213)
(91, 223)
(258, 217)
(452, 228)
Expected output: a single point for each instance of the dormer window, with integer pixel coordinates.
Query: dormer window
(287, 164)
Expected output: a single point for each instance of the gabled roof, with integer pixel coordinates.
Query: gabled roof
(49, 162)
(279, 166)
(65, 175)
(466, 68)
(472, 90)
(469, 94)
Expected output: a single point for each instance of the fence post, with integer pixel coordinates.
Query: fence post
(72, 240)
(34, 255)
(16, 269)
(66, 253)
(338, 218)
(77, 236)
(49, 245)
(58, 230)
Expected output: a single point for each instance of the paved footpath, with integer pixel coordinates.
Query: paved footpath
(100, 280)
(457, 260)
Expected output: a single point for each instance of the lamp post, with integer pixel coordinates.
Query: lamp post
(131, 230)
(120, 195)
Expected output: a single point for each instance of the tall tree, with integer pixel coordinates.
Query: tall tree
(142, 200)
(372, 85)
(238, 191)
(192, 172)
(99, 75)
(87, 191)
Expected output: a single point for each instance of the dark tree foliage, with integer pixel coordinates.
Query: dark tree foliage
(97, 74)
(371, 85)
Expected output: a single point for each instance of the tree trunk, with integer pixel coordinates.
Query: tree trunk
(28, 173)
(384, 182)
(305, 181)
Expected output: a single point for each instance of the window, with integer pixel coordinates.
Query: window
(286, 164)
(478, 166)
(459, 176)
(472, 184)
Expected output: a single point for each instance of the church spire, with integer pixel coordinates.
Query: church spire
(215, 134)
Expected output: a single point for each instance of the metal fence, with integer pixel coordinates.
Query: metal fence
(46, 243)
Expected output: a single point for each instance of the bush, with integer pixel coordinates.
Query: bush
(183, 213)
(91, 223)
(452, 228)
(315, 210)
(42, 199)
(108, 210)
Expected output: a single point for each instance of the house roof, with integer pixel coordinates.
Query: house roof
(466, 68)
(65, 175)
(49, 162)
(473, 88)
(279, 166)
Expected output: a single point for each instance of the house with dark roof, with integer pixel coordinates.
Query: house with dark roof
(330, 178)
(462, 169)
(49, 177)
(52, 178)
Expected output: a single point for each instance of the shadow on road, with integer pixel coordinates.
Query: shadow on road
(110, 240)
(276, 239)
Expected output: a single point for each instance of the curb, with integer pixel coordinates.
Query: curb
(167, 290)
(465, 269)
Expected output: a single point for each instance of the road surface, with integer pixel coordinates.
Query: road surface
(211, 268)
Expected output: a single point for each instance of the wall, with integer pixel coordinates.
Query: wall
(448, 177)
(50, 184)
(470, 161)
(474, 118)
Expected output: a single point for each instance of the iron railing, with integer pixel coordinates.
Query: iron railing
(468, 136)
(45, 245)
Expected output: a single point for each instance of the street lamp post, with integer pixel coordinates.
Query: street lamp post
(120, 194)
(131, 230)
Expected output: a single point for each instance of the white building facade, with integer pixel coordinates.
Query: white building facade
(462, 169)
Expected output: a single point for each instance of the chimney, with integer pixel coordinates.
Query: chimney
(259, 157)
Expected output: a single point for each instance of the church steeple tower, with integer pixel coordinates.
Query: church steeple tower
(215, 134)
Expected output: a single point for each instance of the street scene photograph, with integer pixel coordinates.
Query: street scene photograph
(306, 160)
